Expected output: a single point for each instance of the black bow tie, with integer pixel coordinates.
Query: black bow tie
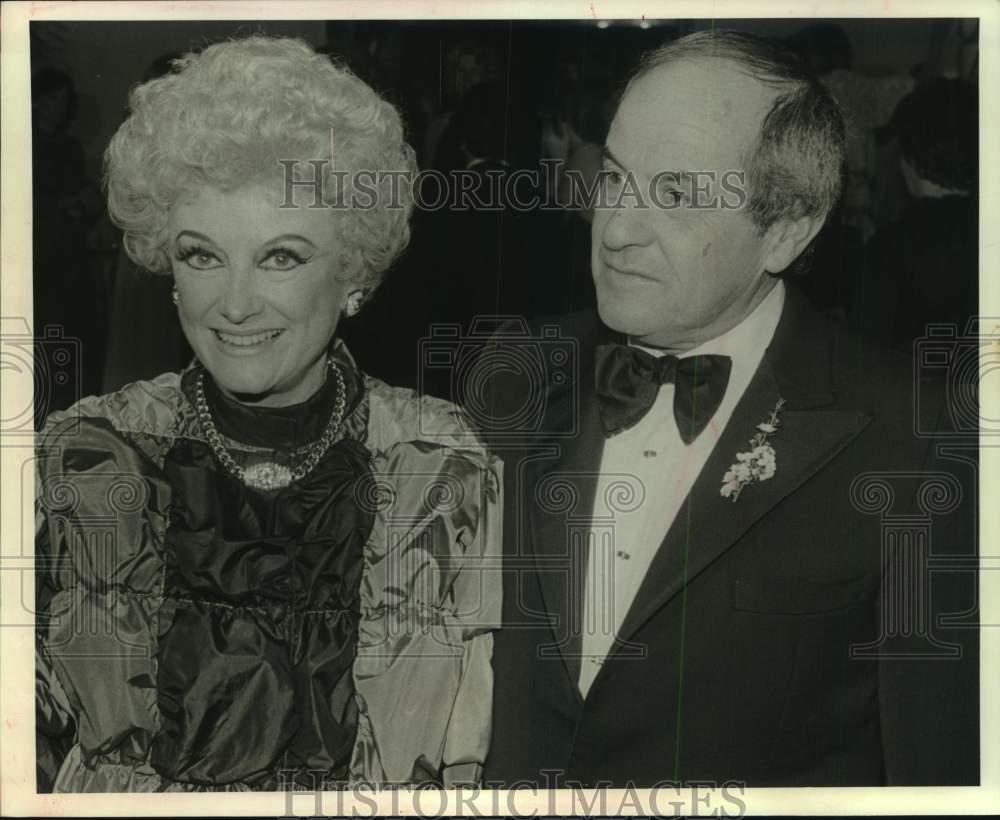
(628, 380)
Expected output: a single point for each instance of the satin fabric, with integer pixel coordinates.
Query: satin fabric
(266, 611)
(198, 635)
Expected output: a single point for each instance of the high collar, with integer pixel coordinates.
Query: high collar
(286, 427)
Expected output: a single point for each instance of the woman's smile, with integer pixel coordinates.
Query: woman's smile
(250, 342)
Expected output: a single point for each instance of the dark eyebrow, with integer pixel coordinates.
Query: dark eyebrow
(674, 176)
(196, 235)
(606, 154)
(679, 176)
(285, 237)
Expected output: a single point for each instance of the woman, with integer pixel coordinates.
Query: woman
(267, 569)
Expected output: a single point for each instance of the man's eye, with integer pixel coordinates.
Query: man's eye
(672, 196)
(612, 176)
(281, 259)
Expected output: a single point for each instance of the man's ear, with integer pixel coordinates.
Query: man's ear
(787, 238)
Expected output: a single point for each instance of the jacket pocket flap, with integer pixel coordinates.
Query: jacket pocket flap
(797, 595)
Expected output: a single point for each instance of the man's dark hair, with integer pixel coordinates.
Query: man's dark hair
(478, 121)
(938, 130)
(796, 165)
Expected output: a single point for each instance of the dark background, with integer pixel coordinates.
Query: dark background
(514, 92)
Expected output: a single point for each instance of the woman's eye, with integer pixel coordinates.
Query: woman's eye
(281, 259)
(199, 259)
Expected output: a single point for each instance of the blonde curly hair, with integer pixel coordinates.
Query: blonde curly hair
(226, 116)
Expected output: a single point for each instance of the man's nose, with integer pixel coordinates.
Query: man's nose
(625, 225)
(241, 299)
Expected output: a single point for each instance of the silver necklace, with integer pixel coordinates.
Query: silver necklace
(269, 475)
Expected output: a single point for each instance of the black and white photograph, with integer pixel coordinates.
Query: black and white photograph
(587, 412)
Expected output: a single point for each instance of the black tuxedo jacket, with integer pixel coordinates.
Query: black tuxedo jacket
(820, 630)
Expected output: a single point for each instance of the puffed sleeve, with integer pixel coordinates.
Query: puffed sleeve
(430, 601)
(100, 502)
(55, 722)
(479, 602)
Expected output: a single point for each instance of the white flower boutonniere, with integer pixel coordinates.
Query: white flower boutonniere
(757, 465)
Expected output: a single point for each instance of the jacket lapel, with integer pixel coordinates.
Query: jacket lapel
(557, 489)
(797, 368)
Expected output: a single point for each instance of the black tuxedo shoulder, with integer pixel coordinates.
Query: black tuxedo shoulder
(528, 361)
(581, 324)
(888, 383)
(816, 359)
(826, 363)
(862, 372)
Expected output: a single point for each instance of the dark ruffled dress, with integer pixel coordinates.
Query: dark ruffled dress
(196, 634)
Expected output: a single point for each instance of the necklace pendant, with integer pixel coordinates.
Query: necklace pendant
(267, 476)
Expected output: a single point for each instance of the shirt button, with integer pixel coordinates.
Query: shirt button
(649, 453)
(623, 555)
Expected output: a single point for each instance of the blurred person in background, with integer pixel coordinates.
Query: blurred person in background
(924, 267)
(466, 65)
(65, 204)
(143, 339)
(868, 103)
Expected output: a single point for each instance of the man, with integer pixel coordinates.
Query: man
(937, 127)
(702, 573)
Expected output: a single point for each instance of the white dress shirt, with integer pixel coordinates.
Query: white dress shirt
(646, 474)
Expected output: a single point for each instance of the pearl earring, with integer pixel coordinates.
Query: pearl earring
(174, 295)
(354, 302)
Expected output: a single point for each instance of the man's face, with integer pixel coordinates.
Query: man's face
(676, 276)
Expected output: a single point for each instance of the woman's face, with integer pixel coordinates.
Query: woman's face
(260, 290)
